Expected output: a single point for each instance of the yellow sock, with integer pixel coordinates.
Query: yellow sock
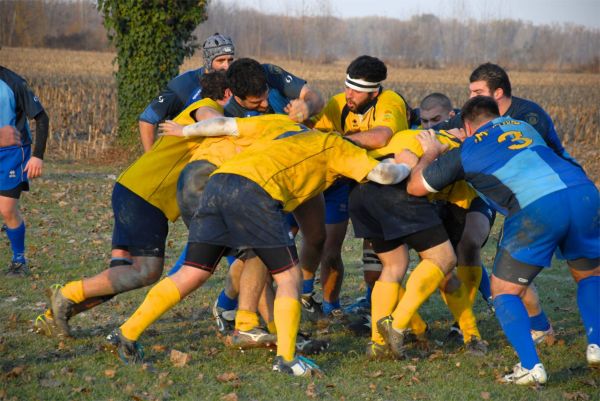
(245, 320)
(287, 320)
(461, 307)
(422, 282)
(73, 291)
(271, 327)
(471, 276)
(384, 298)
(417, 324)
(162, 297)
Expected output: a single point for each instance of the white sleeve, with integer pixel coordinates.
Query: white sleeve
(217, 126)
(389, 173)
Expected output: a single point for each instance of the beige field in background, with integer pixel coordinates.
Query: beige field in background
(79, 92)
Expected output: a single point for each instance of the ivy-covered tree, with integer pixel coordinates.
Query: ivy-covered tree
(152, 38)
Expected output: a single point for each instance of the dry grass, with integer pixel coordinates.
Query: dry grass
(79, 91)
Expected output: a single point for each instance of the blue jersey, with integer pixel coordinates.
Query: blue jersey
(283, 87)
(180, 92)
(524, 110)
(17, 103)
(508, 163)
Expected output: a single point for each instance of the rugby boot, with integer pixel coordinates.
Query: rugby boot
(255, 338)
(393, 338)
(299, 366)
(524, 377)
(62, 310)
(130, 352)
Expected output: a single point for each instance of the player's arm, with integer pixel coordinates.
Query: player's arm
(309, 103)
(434, 172)
(374, 138)
(164, 105)
(32, 107)
(389, 172)
(218, 126)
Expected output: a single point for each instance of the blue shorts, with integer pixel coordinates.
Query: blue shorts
(336, 204)
(236, 212)
(568, 220)
(140, 227)
(12, 163)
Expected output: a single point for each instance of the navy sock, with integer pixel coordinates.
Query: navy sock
(16, 236)
(512, 315)
(484, 285)
(230, 260)
(225, 302)
(539, 322)
(368, 292)
(588, 291)
(308, 286)
(329, 306)
(180, 261)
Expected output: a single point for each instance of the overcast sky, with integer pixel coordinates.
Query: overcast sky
(581, 12)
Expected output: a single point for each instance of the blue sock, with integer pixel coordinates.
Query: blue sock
(230, 260)
(225, 302)
(180, 261)
(512, 315)
(329, 306)
(588, 291)
(539, 322)
(308, 286)
(368, 293)
(484, 286)
(16, 236)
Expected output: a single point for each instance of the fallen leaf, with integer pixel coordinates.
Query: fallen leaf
(50, 383)
(311, 391)
(16, 371)
(576, 396)
(375, 374)
(412, 368)
(158, 348)
(227, 377)
(200, 376)
(372, 386)
(485, 395)
(110, 373)
(230, 397)
(179, 359)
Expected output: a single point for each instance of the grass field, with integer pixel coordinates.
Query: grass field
(69, 229)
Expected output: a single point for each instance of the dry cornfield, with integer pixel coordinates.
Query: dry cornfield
(79, 92)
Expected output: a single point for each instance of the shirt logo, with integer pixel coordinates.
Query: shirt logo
(288, 78)
(161, 99)
(12, 174)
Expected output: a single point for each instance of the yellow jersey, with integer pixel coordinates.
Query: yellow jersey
(459, 193)
(154, 175)
(296, 166)
(389, 110)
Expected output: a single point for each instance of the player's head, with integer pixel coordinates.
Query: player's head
(364, 76)
(477, 111)
(489, 80)
(218, 51)
(248, 83)
(435, 108)
(214, 86)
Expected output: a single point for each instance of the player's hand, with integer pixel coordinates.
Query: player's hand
(297, 110)
(432, 148)
(9, 136)
(170, 128)
(407, 157)
(33, 168)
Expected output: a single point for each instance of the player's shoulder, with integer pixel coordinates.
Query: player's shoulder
(11, 78)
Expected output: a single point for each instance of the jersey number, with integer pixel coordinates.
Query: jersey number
(516, 139)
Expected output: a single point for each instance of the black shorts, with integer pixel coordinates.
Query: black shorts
(419, 241)
(140, 227)
(454, 219)
(236, 212)
(388, 212)
(15, 193)
(479, 205)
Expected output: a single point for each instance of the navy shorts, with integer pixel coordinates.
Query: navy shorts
(336, 204)
(567, 220)
(236, 212)
(13, 178)
(140, 227)
(480, 206)
(388, 212)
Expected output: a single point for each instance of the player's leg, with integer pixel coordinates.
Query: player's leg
(14, 225)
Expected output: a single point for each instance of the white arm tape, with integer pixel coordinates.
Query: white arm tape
(217, 126)
(388, 173)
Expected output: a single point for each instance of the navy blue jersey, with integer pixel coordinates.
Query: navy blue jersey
(524, 110)
(17, 103)
(508, 162)
(180, 92)
(283, 87)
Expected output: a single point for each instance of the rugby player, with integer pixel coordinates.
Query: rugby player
(18, 103)
(549, 204)
(243, 206)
